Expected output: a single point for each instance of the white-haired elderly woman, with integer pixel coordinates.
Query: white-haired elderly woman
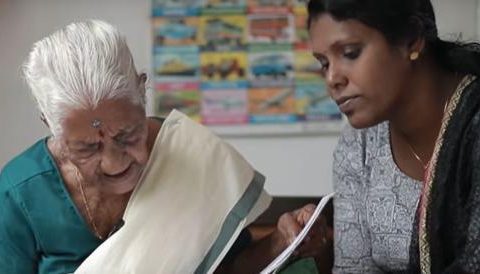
(182, 195)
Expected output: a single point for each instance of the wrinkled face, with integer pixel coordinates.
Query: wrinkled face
(108, 144)
(364, 74)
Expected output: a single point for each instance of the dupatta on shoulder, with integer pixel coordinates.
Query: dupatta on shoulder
(194, 197)
(448, 236)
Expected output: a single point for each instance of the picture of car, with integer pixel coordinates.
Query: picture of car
(219, 33)
(223, 69)
(274, 65)
(175, 30)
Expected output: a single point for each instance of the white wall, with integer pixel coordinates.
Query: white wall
(293, 165)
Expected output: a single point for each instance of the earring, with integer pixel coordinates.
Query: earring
(414, 55)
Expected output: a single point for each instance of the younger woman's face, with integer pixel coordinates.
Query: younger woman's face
(364, 74)
(108, 144)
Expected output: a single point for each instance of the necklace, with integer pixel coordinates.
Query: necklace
(57, 150)
(425, 165)
(87, 208)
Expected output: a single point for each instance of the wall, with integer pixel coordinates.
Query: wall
(294, 165)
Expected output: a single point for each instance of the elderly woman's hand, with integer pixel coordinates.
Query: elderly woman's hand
(319, 241)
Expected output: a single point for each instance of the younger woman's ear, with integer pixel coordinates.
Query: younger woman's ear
(416, 47)
(415, 41)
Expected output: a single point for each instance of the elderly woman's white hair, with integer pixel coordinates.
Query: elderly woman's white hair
(78, 67)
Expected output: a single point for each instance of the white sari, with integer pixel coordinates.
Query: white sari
(195, 196)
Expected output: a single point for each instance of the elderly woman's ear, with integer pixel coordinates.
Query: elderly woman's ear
(44, 120)
(142, 78)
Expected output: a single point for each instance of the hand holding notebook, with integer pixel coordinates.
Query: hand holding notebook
(278, 262)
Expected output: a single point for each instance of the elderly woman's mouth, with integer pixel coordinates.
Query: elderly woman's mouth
(123, 174)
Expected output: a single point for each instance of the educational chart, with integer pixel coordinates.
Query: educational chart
(239, 64)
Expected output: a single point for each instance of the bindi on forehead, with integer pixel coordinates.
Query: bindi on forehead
(96, 123)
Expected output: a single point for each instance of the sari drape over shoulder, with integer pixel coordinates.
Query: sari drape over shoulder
(448, 236)
(195, 196)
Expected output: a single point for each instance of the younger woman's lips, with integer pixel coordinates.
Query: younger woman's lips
(348, 104)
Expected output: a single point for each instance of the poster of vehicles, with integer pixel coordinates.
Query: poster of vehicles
(186, 101)
(175, 31)
(224, 106)
(227, 68)
(271, 28)
(224, 6)
(269, 6)
(222, 33)
(307, 68)
(301, 33)
(176, 7)
(272, 105)
(238, 63)
(176, 64)
(314, 104)
(271, 68)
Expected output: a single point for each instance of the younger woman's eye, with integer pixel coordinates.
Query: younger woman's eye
(352, 52)
(323, 63)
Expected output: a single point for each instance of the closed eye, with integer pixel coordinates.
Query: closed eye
(352, 52)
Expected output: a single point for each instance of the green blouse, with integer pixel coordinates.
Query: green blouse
(41, 230)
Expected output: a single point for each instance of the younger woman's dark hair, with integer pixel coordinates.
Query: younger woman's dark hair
(403, 21)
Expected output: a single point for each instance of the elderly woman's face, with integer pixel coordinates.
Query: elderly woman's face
(108, 144)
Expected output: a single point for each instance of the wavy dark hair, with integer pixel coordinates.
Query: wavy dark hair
(403, 21)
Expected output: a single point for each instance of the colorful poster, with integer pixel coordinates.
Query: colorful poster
(176, 7)
(269, 6)
(223, 69)
(224, 106)
(300, 7)
(224, 7)
(176, 64)
(235, 63)
(272, 105)
(314, 104)
(186, 101)
(271, 68)
(307, 68)
(175, 31)
(271, 28)
(301, 33)
(222, 33)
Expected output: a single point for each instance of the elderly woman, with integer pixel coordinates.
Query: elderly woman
(65, 195)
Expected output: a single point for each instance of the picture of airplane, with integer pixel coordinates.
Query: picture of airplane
(275, 101)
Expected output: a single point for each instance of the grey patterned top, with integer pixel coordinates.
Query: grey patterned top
(375, 204)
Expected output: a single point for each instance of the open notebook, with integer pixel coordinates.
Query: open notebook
(278, 262)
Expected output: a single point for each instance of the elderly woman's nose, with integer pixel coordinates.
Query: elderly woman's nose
(113, 160)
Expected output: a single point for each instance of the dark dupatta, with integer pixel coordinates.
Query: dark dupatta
(448, 236)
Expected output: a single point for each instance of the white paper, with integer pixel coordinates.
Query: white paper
(278, 262)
